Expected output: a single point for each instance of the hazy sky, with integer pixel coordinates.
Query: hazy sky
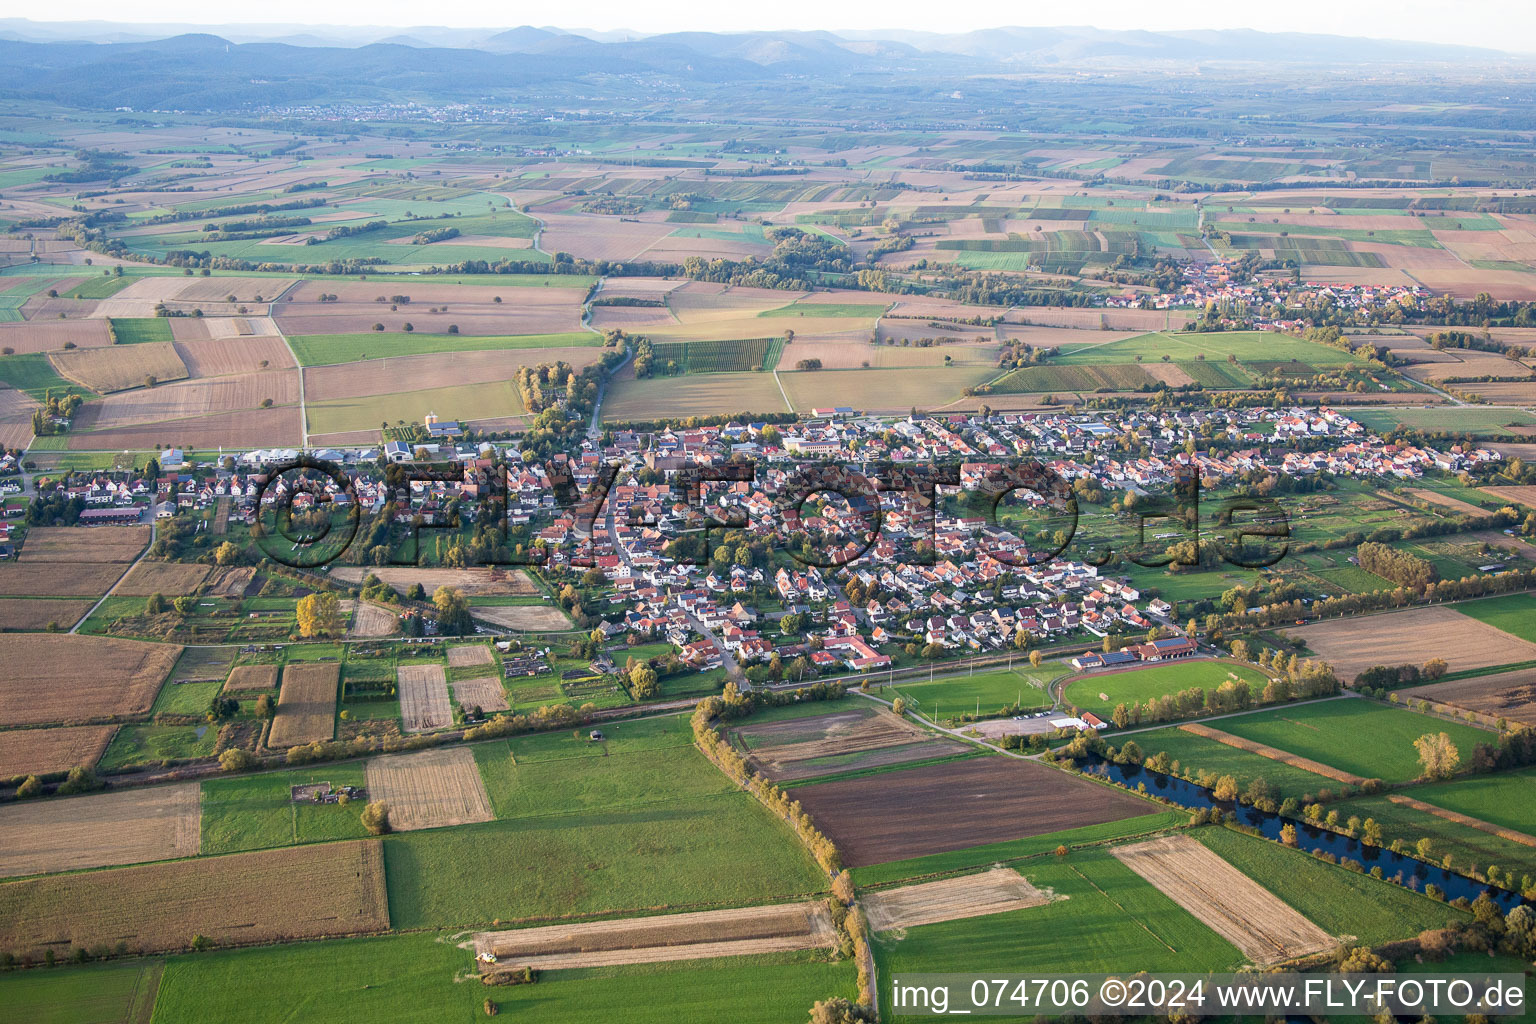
(1502, 24)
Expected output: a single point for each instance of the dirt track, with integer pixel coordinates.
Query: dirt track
(1233, 905)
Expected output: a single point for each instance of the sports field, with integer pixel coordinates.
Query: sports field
(990, 689)
(1103, 691)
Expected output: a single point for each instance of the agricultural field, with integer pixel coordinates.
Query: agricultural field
(152, 823)
(1101, 692)
(306, 705)
(424, 703)
(845, 740)
(1514, 614)
(1502, 799)
(472, 582)
(306, 892)
(1507, 695)
(78, 544)
(1356, 735)
(171, 578)
(258, 812)
(1411, 637)
(1230, 903)
(429, 789)
(121, 367)
(68, 679)
(1197, 753)
(917, 811)
(31, 614)
(42, 751)
(108, 994)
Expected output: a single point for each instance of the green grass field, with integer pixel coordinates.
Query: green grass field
(421, 979)
(1110, 920)
(718, 356)
(1504, 799)
(1245, 345)
(101, 287)
(321, 349)
(1339, 901)
(1359, 736)
(992, 688)
(185, 698)
(851, 310)
(1015, 849)
(1141, 685)
(1515, 614)
(148, 743)
(137, 330)
(640, 820)
(121, 993)
(254, 812)
(33, 373)
(1467, 846)
(1198, 754)
(1450, 419)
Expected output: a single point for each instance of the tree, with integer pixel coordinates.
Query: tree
(375, 818)
(453, 618)
(1121, 717)
(221, 708)
(237, 759)
(1438, 755)
(899, 705)
(319, 615)
(80, 780)
(1035, 658)
(226, 553)
(31, 786)
(1434, 668)
(1240, 650)
(157, 604)
(265, 706)
(838, 1011)
(184, 605)
(1226, 788)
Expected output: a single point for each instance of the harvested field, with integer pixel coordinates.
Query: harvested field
(484, 581)
(51, 335)
(483, 692)
(252, 677)
(149, 823)
(244, 428)
(466, 655)
(424, 697)
(229, 582)
(1169, 373)
(1468, 363)
(190, 399)
(881, 390)
(934, 809)
(1230, 903)
(1523, 838)
(25, 614)
(301, 892)
(698, 394)
(473, 309)
(696, 936)
(370, 620)
(1411, 637)
(306, 705)
(1273, 753)
(59, 579)
(1520, 495)
(1505, 392)
(802, 748)
(57, 677)
(120, 367)
(532, 618)
(432, 370)
(40, 751)
(221, 357)
(429, 789)
(1445, 501)
(950, 899)
(84, 544)
(16, 409)
(1510, 695)
(169, 578)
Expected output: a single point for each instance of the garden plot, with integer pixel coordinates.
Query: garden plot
(370, 620)
(483, 692)
(469, 655)
(252, 677)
